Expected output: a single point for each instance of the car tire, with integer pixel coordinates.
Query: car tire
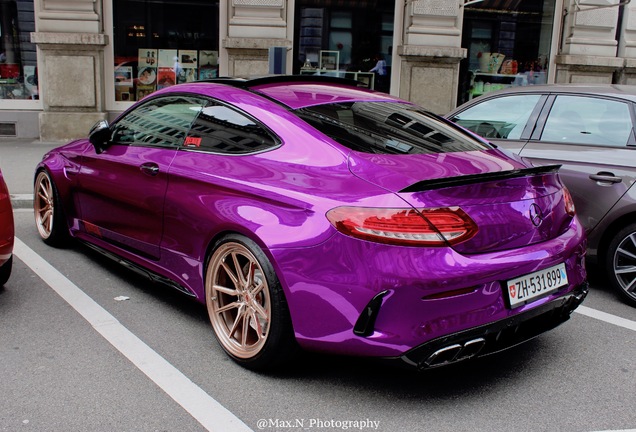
(5, 271)
(49, 215)
(621, 263)
(246, 305)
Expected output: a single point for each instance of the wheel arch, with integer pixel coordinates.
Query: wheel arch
(610, 232)
(54, 167)
(250, 235)
(268, 355)
(60, 229)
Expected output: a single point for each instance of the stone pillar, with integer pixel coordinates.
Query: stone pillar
(627, 45)
(253, 26)
(70, 44)
(430, 53)
(589, 48)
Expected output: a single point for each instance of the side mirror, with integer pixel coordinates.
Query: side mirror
(100, 135)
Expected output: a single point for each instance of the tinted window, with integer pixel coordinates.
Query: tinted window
(220, 129)
(586, 120)
(503, 117)
(162, 121)
(387, 127)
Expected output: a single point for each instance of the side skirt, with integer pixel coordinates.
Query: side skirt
(139, 269)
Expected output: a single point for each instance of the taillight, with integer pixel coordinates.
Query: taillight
(407, 227)
(569, 202)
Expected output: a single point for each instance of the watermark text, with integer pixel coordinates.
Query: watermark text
(317, 424)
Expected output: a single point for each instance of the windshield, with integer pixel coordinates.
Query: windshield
(388, 128)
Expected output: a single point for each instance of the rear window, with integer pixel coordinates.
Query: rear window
(388, 128)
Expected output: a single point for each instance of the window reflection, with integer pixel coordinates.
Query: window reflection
(387, 128)
(220, 129)
(504, 117)
(158, 122)
(585, 120)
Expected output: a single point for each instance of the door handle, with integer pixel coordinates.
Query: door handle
(151, 169)
(605, 177)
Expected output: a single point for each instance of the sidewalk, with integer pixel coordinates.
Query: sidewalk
(18, 158)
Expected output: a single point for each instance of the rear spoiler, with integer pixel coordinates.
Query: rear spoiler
(441, 183)
(282, 79)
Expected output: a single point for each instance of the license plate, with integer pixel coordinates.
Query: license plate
(531, 286)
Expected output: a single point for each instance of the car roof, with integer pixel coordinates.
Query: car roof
(613, 90)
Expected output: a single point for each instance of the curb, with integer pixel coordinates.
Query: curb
(22, 201)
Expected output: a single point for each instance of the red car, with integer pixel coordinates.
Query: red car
(6, 232)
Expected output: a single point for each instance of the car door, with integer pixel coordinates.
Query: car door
(122, 189)
(506, 120)
(593, 139)
(205, 177)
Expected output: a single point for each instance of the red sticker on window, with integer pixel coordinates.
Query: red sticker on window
(192, 141)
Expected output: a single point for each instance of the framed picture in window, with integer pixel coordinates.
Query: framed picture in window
(329, 60)
(168, 57)
(188, 59)
(124, 76)
(366, 79)
(147, 58)
(208, 58)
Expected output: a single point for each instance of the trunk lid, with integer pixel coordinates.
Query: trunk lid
(511, 204)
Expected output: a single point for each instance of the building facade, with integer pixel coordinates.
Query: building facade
(65, 64)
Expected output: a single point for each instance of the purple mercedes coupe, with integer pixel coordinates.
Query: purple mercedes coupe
(306, 212)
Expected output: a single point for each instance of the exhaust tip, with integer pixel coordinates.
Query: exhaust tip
(455, 353)
(443, 356)
(471, 349)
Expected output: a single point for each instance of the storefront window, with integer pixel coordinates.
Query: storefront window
(345, 38)
(159, 43)
(508, 44)
(18, 63)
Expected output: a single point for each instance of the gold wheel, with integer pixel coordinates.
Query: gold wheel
(44, 205)
(238, 300)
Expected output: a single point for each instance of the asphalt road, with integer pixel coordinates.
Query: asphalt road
(72, 358)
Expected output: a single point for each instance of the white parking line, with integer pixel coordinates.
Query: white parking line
(205, 409)
(619, 430)
(608, 318)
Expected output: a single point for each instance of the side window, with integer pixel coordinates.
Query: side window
(586, 120)
(503, 117)
(220, 129)
(162, 121)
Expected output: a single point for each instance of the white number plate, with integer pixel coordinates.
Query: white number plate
(537, 284)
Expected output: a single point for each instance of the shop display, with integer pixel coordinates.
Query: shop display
(490, 62)
(178, 41)
(18, 64)
(345, 39)
(329, 60)
(500, 53)
(155, 69)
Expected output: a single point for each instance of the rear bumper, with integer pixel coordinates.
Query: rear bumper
(425, 294)
(496, 336)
